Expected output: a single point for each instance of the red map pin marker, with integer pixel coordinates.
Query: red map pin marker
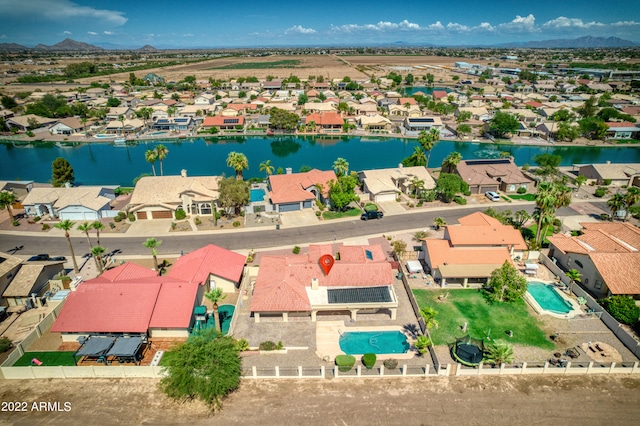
(326, 263)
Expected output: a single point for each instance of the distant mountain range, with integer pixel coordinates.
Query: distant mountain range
(69, 45)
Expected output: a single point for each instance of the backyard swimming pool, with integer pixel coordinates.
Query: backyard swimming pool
(376, 342)
(257, 195)
(157, 133)
(548, 298)
(104, 136)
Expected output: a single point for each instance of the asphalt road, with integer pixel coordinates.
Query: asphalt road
(258, 239)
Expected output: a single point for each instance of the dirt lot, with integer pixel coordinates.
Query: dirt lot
(489, 400)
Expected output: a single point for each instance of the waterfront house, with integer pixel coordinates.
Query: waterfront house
(126, 127)
(224, 123)
(297, 191)
(77, 203)
(374, 123)
(29, 121)
(67, 126)
(620, 174)
(385, 184)
(326, 122)
(622, 130)
(412, 126)
(115, 113)
(492, 175)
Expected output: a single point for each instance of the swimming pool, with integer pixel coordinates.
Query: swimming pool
(548, 298)
(104, 136)
(377, 342)
(157, 133)
(257, 195)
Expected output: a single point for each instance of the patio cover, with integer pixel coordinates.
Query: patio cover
(95, 346)
(467, 271)
(125, 347)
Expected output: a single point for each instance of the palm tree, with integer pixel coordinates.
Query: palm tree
(631, 198)
(86, 227)
(341, 166)
(498, 352)
(545, 199)
(153, 244)
(97, 253)
(215, 296)
(417, 185)
(418, 158)
(574, 276)
(429, 316)
(121, 118)
(439, 222)
(151, 156)
(237, 161)
(427, 141)
(98, 226)
(616, 202)
(66, 226)
(267, 167)
(422, 344)
(580, 180)
(161, 154)
(449, 164)
(7, 198)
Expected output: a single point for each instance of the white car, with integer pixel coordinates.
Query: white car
(493, 196)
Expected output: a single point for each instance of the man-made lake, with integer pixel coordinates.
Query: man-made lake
(409, 91)
(102, 163)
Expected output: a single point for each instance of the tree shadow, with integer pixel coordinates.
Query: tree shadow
(412, 329)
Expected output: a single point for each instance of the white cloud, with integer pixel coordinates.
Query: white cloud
(61, 10)
(91, 33)
(457, 27)
(437, 26)
(66, 32)
(625, 23)
(564, 22)
(486, 26)
(299, 29)
(109, 32)
(520, 24)
(381, 26)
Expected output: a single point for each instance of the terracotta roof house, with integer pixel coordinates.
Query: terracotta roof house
(326, 122)
(31, 280)
(297, 191)
(211, 267)
(620, 174)
(75, 203)
(606, 254)
(297, 286)
(158, 197)
(492, 175)
(386, 184)
(223, 123)
(480, 230)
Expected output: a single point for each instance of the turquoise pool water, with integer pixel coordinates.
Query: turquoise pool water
(376, 342)
(104, 136)
(257, 195)
(226, 314)
(548, 298)
(157, 133)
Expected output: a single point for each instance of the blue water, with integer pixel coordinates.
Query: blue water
(104, 164)
(376, 342)
(548, 298)
(225, 312)
(409, 91)
(256, 195)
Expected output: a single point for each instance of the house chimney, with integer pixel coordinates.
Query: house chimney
(289, 170)
(183, 173)
(314, 284)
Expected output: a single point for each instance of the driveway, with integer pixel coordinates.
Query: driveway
(391, 207)
(149, 228)
(304, 217)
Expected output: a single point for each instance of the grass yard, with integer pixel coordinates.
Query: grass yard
(48, 359)
(338, 215)
(527, 197)
(287, 63)
(471, 307)
(534, 230)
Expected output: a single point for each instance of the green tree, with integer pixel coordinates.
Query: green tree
(589, 108)
(66, 226)
(503, 124)
(342, 192)
(86, 227)
(207, 366)
(593, 128)
(303, 99)
(418, 185)
(113, 102)
(283, 120)
(563, 115)
(234, 194)
(151, 156)
(428, 314)
(62, 172)
(631, 198)
(238, 162)
(574, 277)
(341, 166)
(463, 116)
(498, 352)
(96, 253)
(409, 79)
(623, 308)
(97, 226)
(507, 283)
(616, 203)
(418, 158)
(449, 185)
(153, 244)
(214, 296)
(8, 102)
(422, 344)
(439, 222)
(567, 132)
(267, 168)
(464, 129)
(450, 163)
(161, 154)
(7, 199)
(580, 180)
(549, 164)
(427, 141)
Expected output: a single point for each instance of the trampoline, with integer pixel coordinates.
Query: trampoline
(468, 351)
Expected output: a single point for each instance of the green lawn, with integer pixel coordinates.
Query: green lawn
(166, 356)
(534, 229)
(48, 359)
(287, 63)
(471, 307)
(338, 215)
(528, 197)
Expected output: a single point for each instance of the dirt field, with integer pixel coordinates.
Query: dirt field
(555, 400)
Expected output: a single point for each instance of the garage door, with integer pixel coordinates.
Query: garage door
(164, 214)
(486, 188)
(78, 216)
(289, 207)
(141, 215)
(385, 197)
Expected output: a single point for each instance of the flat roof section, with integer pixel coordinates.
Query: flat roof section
(360, 295)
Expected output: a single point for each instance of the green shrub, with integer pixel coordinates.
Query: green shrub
(122, 215)
(37, 218)
(132, 217)
(236, 224)
(46, 226)
(16, 223)
(318, 214)
(369, 360)
(197, 221)
(112, 225)
(522, 190)
(180, 214)
(242, 345)
(429, 196)
(607, 182)
(320, 205)
(268, 346)
(390, 363)
(460, 200)
(296, 250)
(5, 344)
(467, 192)
(345, 362)
(600, 192)
(117, 219)
(420, 203)
(280, 345)
(622, 308)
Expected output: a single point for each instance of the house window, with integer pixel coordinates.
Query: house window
(598, 284)
(569, 260)
(579, 264)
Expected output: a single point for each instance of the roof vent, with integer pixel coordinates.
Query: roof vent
(314, 284)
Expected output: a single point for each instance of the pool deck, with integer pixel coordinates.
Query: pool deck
(575, 307)
(328, 339)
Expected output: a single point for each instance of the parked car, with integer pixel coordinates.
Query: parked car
(371, 215)
(58, 259)
(38, 257)
(493, 196)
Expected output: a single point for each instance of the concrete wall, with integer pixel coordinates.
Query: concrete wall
(171, 333)
(113, 371)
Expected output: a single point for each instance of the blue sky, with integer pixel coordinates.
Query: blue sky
(214, 23)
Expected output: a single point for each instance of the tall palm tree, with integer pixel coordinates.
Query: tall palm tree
(7, 198)
(153, 244)
(449, 164)
(151, 156)
(238, 162)
(121, 118)
(98, 226)
(215, 296)
(96, 253)
(418, 158)
(267, 168)
(66, 226)
(574, 277)
(161, 154)
(616, 202)
(417, 185)
(341, 166)
(439, 222)
(86, 227)
(427, 142)
(631, 198)
(545, 199)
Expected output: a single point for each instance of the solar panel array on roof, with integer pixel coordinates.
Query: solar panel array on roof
(162, 121)
(422, 120)
(359, 295)
(230, 121)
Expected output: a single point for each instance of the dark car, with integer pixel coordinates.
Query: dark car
(58, 259)
(371, 215)
(38, 257)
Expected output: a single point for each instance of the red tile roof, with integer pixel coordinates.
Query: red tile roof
(196, 266)
(617, 271)
(174, 306)
(293, 187)
(441, 253)
(219, 120)
(127, 271)
(620, 124)
(439, 94)
(533, 104)
(478, 229)
(599, 237)
(478, 219)
(325, 119)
